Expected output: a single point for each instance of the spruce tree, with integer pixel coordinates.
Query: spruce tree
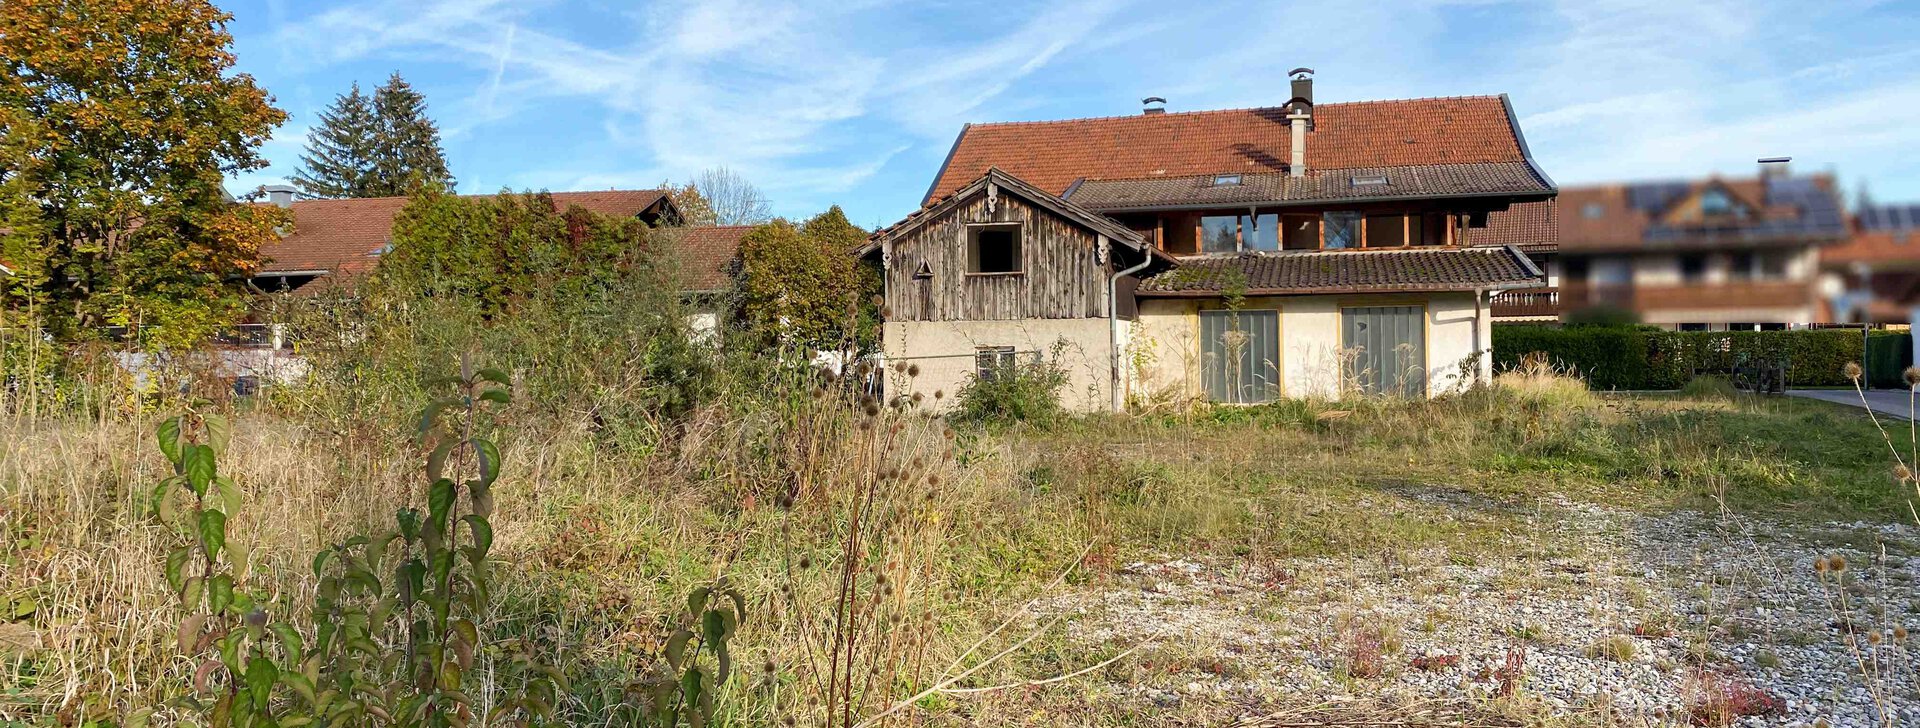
(406, 142)
(340, 152)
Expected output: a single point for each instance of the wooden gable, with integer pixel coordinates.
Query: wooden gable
(1062, 273)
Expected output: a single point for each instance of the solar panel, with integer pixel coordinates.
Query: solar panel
(1890, 217)
(1655, 196)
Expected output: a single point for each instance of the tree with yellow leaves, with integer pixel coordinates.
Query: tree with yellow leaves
(118, 122)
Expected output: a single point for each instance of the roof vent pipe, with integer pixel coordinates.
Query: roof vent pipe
(1154, 105)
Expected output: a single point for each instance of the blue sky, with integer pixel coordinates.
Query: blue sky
(856, 102)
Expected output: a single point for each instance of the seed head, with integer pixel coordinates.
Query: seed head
(939, 394)
(878, 300)
(806, 562)
(1873, 638)
(1902, 472)
(886, 312)
(913, 370)
(1839, 562)
(1820, 565)
(1900, 633)
(1852, 370)
(933, 479)
(872, 409)
(1912, 376)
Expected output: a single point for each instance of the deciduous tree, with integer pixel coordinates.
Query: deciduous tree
(118, 122)
(803, 286)
(733, 200)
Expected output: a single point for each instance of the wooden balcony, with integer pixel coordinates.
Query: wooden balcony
(1528, 303)
(1693, 297)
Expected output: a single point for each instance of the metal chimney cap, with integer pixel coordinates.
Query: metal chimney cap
(1775, 160)
(1153, 100)
(1299, 71)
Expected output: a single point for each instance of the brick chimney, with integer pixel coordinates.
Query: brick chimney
(1300, 119)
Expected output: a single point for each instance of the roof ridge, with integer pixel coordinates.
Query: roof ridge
(476, 194)
(1240, 109)
(1310, 172)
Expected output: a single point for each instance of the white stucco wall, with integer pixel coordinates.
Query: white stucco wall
(944, 352)
(1164, 366)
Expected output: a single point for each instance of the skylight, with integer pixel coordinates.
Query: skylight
(1226, 180)
(1372, 180)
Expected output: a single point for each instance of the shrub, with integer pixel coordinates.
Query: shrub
(1639, 358)
(1016, 392)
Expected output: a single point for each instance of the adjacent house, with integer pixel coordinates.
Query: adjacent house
(1532, 228)
(1237, 256)
(1874, 277)
(1709, 254)
(334, 242)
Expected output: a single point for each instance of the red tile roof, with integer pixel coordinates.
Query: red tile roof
(1529, 226)
(1785, 211)
(1052, 154)
(1347, 271)
(340, 236)
(705, 254)
(1879, 248)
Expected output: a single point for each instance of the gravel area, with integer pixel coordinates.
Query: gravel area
(1599, 615)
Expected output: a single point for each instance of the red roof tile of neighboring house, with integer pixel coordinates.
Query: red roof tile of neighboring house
(1529, 226)
(341, 236)
(1634, 216)
(1051, 155)
(706, 253)
(1878, 248)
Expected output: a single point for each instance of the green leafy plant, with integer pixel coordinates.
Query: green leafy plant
(1016, 392)
(393, 632)
(697, 661)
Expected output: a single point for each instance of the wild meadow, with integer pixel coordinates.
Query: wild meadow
(894, 566)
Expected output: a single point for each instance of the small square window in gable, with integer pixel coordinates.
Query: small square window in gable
(994, 249)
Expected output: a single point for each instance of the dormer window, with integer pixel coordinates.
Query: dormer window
(1371, 180)
(1227, 180)
(1593, 211)
(1715, 202)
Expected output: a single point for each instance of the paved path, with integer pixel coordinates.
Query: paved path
(1884, 401)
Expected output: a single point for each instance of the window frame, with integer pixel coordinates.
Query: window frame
(974, 258)
(1355, 240)
(989, 361)
(1201, 236)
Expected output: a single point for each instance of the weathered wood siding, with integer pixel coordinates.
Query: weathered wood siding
(1060, 276)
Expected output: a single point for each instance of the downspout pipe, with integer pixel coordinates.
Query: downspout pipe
(1113, 329)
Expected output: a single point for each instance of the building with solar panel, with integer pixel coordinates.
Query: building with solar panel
(1712, 254)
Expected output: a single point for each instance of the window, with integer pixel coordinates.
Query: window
(1343, 230)
(1260, 232)
(1575, 269)
(1226, 180)
(993, 249)
(1740, 266)
(1693, 268)
(990, 361)
(1218, 235)
(1375, 180)
(1715, 202)
(1384, 231)
(1303, 232)
(1593, 211)
(1772, 266)
(1693, 327)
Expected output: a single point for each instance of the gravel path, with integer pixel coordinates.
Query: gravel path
(1599, 615)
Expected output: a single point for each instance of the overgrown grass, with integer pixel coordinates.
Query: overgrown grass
(608, 515)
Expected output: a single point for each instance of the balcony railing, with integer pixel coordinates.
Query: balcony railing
(1529, 303)
(1693, 296)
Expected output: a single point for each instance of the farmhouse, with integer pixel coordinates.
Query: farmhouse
(1235, 256)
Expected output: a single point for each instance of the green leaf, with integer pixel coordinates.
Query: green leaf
(169, 434)
(489, 459)
(713, 627)
(289, 641)
(431, 414)
(739, 604)
(320, 561)
(261, 675)
(219, 432)
(198, 462)
(725, 658)
(213, 532)
(177, 561)
(190, 592)
(188, 636)
(697, 600)
(439, 501)
(497, 395)
(691, 685)
(437, 460)
(229, 494)
(482, 534)
(495, 375)
(677, 647)
(219, 593)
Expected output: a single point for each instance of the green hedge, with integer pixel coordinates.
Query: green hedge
(1644, 358)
